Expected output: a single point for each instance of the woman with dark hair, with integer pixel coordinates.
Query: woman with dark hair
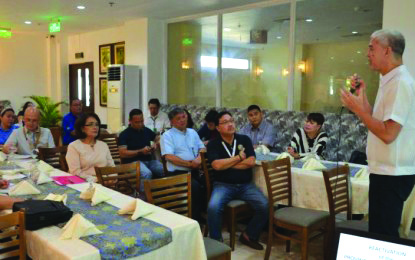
(7, 124)
(20, 115)
(310, 138)
(87, 152)
(190, 122)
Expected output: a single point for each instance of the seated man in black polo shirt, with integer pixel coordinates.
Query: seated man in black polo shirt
(232, 157)
(137, 143)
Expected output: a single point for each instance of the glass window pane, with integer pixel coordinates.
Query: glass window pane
(192, 62)
(80, 84)
(87, 88)
(332, 38)
(257, 41)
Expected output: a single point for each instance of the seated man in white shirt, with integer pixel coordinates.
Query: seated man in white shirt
(155, 119)
(30, 137)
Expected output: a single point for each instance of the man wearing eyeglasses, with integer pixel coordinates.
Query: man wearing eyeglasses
(181, 148)
(68, 122)
(232, 157)
(30, 137)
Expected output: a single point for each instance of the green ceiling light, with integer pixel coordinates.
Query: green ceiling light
(5, 33)
(55, 27)
(187, 41)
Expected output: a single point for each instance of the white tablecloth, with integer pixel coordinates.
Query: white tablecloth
(187, 239)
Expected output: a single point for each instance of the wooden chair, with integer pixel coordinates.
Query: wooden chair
(13, 225)
(235, 210)
(174, 193)
(289, 221)
(112, 141)
(164, 162)
(124, 178)
(56, 132)
(56, 157)
(338, 188)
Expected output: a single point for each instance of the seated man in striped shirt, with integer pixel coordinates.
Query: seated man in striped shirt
(310, 138)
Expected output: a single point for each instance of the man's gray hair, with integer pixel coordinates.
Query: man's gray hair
(390, 38)
(175, 112)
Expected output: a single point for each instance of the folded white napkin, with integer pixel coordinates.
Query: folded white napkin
(43, 178)
(95, 194)
(23, 188)
(285, 155)
(44, 167)
(313, 165)
(77, 227)
(262, 149)
(307, 156)
(362, 174)
(137, 208)
(57, 197)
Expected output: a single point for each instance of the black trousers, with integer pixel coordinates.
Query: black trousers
(387, 195)
(198, 194)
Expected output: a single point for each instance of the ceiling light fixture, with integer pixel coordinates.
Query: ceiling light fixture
(355, 32)
(28, 22)
(81, 7)
(227, 29)
(308, 20)
(279, 37)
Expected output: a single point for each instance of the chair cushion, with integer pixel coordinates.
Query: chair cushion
(236, 203)
(354, 225)
(215, 248)
(300, 216)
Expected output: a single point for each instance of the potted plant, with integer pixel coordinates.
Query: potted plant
(50, 116)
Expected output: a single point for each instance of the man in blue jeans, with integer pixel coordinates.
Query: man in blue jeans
(232, 157)
(137, 143)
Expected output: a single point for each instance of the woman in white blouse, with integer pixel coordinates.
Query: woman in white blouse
(87, 152)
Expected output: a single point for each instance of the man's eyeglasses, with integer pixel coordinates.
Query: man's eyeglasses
(92, 125)
(227, 122)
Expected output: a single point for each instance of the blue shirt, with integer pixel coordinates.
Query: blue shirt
(4, 134)
(265, 133)
(185, 145)
(68, 125)
(135, 140)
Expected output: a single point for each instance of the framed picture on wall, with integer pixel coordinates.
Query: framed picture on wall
(103, 92)
(105, 57)
(119, 53)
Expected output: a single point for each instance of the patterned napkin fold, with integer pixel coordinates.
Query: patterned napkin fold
(43, 178)
(95, 194)
(262, 149)
(137, 208)
(23, 188)
(285, 155)
(77, 227)
(313, 165)
(57, 197)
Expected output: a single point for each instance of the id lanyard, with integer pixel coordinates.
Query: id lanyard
(233, 149)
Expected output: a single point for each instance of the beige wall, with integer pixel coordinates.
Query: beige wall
(31, 64)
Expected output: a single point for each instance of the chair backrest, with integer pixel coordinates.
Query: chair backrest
(172, 193)
(338, 194)
(124, 178)
(164, 162)
(207, 170)
(278, 179)
(13, 233)
(56, 157)
(112, 141)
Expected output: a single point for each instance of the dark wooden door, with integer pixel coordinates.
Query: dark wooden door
(81, 84)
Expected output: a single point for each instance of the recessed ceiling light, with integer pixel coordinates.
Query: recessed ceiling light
(227, 29)
(358, 52)
(279, 37)
(81, 7)
(28, 22)
(308, 20)
(355, 32)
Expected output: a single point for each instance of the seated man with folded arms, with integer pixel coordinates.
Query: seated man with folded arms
(310, 138)
(156, 120)
(137, 143)
(258, 129)
(232, 157)
(68, 122)
(30, 137)
(181, 146)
